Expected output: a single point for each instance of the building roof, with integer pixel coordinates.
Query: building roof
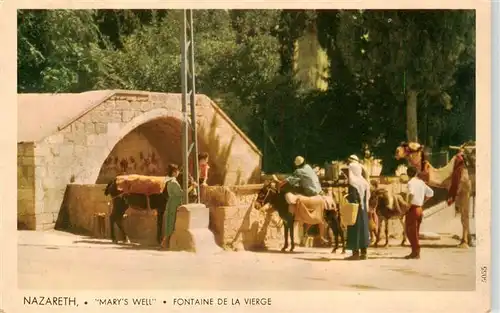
(42, 114)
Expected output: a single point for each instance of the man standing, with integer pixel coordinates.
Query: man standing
(418, 193)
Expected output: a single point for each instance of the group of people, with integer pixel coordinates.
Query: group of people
(175, 194)
(358, 235)
(307, 181)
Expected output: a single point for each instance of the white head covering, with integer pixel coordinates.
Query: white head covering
(354, 158)
(357, 180)
(299, 160)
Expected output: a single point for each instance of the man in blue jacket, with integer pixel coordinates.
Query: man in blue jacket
(305, 178)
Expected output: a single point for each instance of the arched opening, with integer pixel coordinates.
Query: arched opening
(151, 141)
(146, 150)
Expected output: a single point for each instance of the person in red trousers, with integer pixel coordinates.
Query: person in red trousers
(418, 193)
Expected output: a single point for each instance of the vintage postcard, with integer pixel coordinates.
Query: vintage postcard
(237, 157)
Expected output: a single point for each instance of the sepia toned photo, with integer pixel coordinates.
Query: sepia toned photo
(247, 150)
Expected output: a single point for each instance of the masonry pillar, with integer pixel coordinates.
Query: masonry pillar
(191, 230)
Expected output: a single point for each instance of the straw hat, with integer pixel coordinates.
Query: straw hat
(299, 161)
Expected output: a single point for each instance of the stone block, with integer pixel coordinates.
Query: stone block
(45, 218)
(78, 127)
(157, 97)
(69, 137)
(115, 116)
(54, 150)
(53, 172)
(100, 116)
(53, 199)
(92, 140)
(40, 171)
(21, 149)
(113, 129)
(135, 105)
(110, 103)
(25, 203)
(93, 152)
(26, 149)
(25, 182)
(39, 195)
(31, 172)
(89, 127)
(80, 150)
(66, 151)
(41, 150)
(122, 104)
(127, 115)
(48, 226)
(27, 221)
(100, 128)
(27, 171)
(146, 106)
(54, 139)
(191, 230)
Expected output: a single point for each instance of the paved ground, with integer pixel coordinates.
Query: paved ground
(58, 260)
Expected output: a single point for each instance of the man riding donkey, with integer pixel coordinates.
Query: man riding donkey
(306, 182)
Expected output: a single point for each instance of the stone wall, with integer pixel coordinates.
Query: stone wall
(80, 209)
(234, 160)
(86, 210)
(236, 225)
(80, 151)
(235, 222)
(26, 186)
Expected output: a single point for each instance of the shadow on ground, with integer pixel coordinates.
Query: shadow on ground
(119, 245)
(279, 252)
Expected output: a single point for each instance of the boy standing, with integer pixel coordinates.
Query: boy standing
(418, 193)
(204, 167)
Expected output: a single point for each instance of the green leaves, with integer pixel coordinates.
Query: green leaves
(56, 50)
(246, 61)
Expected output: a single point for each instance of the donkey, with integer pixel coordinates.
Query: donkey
(274, 195)
(380, 202)
(121, 202)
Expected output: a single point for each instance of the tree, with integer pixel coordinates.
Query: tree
(56, 50)
(415, 52)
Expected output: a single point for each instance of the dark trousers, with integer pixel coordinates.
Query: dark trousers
(413, 220)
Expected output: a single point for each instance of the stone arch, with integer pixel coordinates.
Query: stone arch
(145, 122)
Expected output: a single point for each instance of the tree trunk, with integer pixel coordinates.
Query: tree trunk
(411, 116)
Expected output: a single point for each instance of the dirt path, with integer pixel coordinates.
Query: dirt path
(57, 260)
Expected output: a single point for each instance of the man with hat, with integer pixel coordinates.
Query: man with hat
(305, 178)
(307, 181)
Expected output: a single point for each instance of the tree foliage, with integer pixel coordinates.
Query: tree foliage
(245, 62)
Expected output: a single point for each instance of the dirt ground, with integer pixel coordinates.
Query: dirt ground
(58, 260)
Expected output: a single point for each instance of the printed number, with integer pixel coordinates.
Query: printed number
(484, 274)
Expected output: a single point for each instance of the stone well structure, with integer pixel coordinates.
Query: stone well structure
(235, 223)
(88, 138)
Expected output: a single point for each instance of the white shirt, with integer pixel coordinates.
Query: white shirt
(419, 190)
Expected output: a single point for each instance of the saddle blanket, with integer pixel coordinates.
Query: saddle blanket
(140, 184)
(309, 210)
(316, 200)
